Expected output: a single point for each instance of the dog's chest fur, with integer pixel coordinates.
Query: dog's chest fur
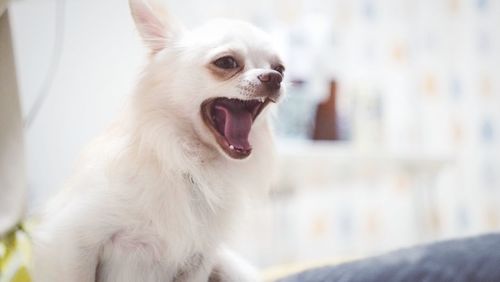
(172, 226)
(140, 215)
(167, 222)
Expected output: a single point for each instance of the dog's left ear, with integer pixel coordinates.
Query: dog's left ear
(151, 21)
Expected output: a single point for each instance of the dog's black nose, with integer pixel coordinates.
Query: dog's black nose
(272, 80)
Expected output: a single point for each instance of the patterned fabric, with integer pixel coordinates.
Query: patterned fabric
(15, 256)
(460, 260)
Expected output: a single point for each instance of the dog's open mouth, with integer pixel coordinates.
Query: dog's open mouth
(230, 120)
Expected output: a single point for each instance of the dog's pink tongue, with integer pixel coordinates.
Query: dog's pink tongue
(234, 122)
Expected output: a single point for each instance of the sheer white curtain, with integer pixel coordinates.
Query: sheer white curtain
(12, 174)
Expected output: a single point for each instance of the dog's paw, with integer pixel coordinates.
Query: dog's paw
(231, 268)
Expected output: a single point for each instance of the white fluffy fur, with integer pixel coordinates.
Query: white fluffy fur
(154, 198)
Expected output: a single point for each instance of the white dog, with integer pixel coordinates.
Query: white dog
(155, 196)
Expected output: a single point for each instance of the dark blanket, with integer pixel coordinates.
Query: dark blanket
(475, 259)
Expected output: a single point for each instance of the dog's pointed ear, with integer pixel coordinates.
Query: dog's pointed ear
(153, 24)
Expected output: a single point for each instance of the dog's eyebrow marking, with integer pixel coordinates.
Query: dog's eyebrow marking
(226, 50)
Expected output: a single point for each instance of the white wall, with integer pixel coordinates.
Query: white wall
(100, 58)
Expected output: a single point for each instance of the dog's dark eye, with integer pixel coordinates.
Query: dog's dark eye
(226, 62)
(280, 69)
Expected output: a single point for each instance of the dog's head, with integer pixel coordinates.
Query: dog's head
(216, 80)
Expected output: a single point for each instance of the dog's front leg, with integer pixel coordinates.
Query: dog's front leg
(229, 267)
(66, 246)
(65, 261)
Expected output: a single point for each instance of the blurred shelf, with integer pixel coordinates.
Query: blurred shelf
(311, 165)
(347, 154)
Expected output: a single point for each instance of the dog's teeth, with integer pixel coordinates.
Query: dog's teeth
(231, 147)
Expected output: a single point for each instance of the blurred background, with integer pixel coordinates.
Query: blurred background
(389, 135)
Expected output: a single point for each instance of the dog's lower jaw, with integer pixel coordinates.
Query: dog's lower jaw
(230, 121)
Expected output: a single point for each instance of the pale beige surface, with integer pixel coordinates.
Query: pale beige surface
(12, 175)
(283, 270)
(3, 6)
